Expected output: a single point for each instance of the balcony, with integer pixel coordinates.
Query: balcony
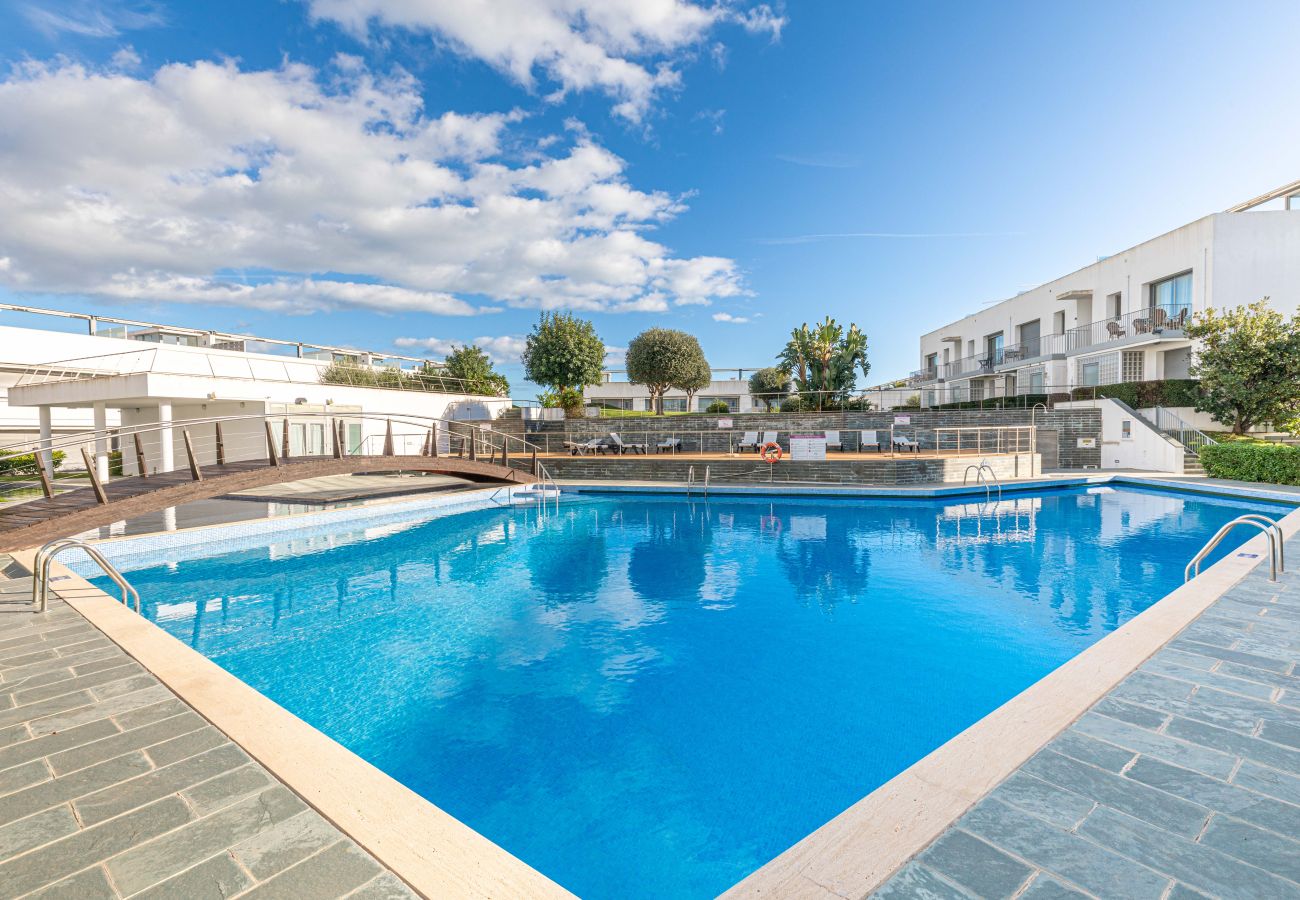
(1139, 326)
(922, 376)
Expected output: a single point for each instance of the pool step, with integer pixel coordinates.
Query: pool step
(1192, 464)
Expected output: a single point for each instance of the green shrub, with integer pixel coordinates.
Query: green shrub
(26, 465)
(1248, 461)
(718, 406)
(1146, 394)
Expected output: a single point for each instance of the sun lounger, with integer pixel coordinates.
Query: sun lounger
(833, 441)
(868, 441)
(902, 443)
(749, 441)
(624, 447)
(769, 437)
(669, 445)
(582, 448)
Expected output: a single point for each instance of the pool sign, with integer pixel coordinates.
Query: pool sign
(807, 446)
(725, 423)
(902, 420)
(1087, 443)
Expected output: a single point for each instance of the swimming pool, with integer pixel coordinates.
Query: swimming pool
(638, 694)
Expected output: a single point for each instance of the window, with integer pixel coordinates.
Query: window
(1090, 373)
(674, 404)
(1131, 366)
(1173, 295)
(932, 362)
(1029, 334)
(1058, 322)
(1035, 382)
(993, 349)
(733, 403)
(1115, 305)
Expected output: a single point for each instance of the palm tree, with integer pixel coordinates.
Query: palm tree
(825, 360)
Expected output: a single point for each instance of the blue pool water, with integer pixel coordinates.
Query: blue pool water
(640, 695)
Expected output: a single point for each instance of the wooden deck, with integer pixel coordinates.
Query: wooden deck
(30, 524)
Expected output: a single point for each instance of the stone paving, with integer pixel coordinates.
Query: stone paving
(1183, 782)
(110, 786)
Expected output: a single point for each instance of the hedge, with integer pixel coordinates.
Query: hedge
(1249, 461)
(26, 465)
(1146, 394)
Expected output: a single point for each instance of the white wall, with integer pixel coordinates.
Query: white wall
(1144, 448)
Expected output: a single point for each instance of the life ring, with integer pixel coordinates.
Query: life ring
(770, 452)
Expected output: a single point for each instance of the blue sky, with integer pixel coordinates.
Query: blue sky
(336, 171)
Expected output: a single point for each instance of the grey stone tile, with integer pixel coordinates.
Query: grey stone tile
(173, 853)
(1047, 801)
(1084, 748)
(123, 742)
(916, 882)
(1211, 679)
(96, 665)
(1247, 708)
(190, 744)
(1157, 807)
(134, 718)
(1132, 713)
(214, 879)
(99, 709)
(1274, 679)
(41, 828)
(1268, 781)
(1151, 690)
(53, 705)
(388, 886)
(89, 846)
(1183, 892)
(92, 884)
(34, 748)
(333, 872)
(1187, 755)
(1266, 752)
(1197, 865)
(225, 789)
(1253, 660)
(78, 784)
(1045, 887)
(30, 695)
(118, 798)
(1218, 795)
(13, 734)
(1209, 633)
(1280, 733)
(1269, 851)
(22, 776)
(111, 689)
(975, 865)
(291, 841)
(1094, 868)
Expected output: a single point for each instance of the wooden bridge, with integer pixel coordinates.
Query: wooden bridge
(482, 457)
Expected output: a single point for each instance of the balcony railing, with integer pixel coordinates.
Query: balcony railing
(921, 376)
(1162, 321)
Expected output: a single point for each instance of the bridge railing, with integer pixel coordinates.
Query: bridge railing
(216, 443)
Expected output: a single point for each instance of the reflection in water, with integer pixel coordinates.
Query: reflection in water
(651, 691)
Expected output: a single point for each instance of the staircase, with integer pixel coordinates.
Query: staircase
(1192, 463)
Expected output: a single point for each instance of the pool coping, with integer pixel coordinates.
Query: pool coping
(851, 855)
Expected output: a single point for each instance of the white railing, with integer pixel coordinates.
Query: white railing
(1186, 434)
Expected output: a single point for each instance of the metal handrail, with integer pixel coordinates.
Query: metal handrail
(1192, 438)
(984, 465)
(1264, 524)
(690, 479)
(45, 558)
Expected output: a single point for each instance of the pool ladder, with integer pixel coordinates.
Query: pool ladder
(45, 558)
(690, 480)
(1276, 548)
(980, 479)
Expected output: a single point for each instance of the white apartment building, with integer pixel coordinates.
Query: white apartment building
(730, 386)
(1122, 318)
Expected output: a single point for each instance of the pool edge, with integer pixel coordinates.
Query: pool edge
(858, 850)
(433, 852)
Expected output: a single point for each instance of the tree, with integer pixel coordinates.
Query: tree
(1248, 361)
(469, 370)
(564, 353)
(698, 376)
(771, 385)
(661, 358)
(826, 360)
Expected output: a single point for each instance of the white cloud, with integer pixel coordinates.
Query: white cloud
(728, 317)
(626, 49)
(502, 350)
(158, 187)
(89, 18)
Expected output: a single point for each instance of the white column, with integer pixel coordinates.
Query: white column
(166, 457)
(47, 432)
(101, 441)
